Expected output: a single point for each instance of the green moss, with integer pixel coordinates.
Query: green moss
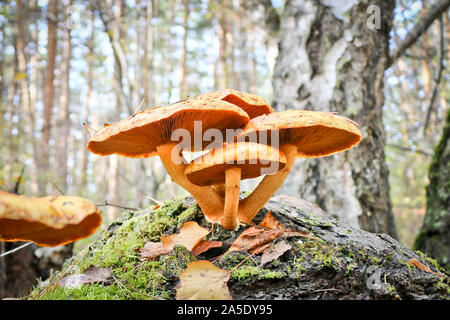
(87, 292)
(318, 252)
(118, 250)
(349, 269)
(374, 260)
(248, 273)
(444, 287)
(436, 265)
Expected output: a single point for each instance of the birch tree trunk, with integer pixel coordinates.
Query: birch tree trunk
(332, 57)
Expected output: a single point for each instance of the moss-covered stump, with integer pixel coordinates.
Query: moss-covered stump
(344, 263)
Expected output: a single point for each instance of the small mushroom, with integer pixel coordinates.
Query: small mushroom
(253, 104)
(47, 221)
(149, 133)
(301, 133)
(231, 164)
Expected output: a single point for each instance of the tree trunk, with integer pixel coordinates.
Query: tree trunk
(49, 93)
(183, 61)
(21, 28)
(64, 103)
(330, 60)
(433, 238)
(87, 101)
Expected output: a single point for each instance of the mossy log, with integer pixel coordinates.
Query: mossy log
(343, 263)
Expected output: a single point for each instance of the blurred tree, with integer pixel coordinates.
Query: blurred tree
(433, 238)
(48, 98)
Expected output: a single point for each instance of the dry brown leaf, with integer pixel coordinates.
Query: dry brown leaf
(205, 245)
(191, 234)
(421, 266)
(201, 280)
(270, 222)
(255, 239)
(47, 221)
(153, 250)
(275, 252)
(90, 275)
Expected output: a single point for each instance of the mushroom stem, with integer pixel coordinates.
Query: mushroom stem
(250, 206)
(232, 188)
(208, 200)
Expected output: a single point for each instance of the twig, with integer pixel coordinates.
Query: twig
(19, 181)
(159, 203)
(409, 149)
(88, 128)
(15, 249)
(439, 76)
(138, 108)
(56, 187)
(236, 266)
(116, 205)
(419, 29)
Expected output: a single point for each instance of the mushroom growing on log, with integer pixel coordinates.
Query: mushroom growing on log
(300, 133)
(149, 133)
(231, 164)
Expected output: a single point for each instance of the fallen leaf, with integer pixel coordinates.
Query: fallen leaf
(153, 250)
(47, 221)
(90, 275)
(275, 252)
(255, 239)
(191, 234)
(421, 266)
(270, 222)
(201, 280)
(205, 245)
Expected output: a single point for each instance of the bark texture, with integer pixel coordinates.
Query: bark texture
(330, 60)
(433, 238)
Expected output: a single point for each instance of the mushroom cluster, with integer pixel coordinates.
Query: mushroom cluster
(250, 140)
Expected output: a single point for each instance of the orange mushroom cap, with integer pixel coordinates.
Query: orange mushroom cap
(251, 157)
(314, 133)
(253, 104)
(139, 135)
(48, 221)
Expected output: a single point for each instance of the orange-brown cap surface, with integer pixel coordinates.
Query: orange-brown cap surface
(48, 221)
(254, 159)
(314, 133)
(139, 135)
(253, 104)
